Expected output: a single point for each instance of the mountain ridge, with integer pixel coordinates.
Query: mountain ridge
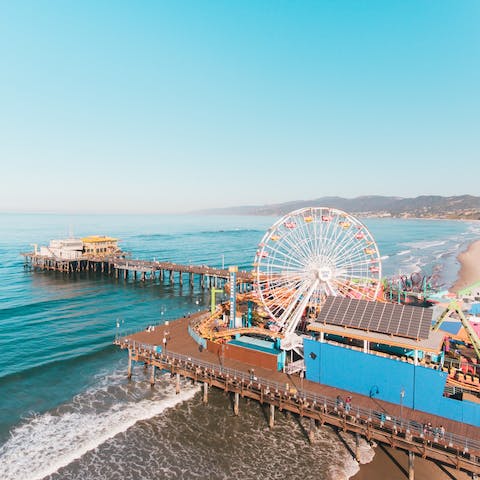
(422, 206)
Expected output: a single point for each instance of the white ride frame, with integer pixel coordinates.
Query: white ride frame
(309, 254)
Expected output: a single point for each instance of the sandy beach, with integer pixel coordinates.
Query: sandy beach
(469, 267)
(392, 464)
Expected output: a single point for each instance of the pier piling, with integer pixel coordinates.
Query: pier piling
(357, 447)
(205, 392)
(271, 418)
(152, 375)
(411, 466)
(235, 403)
(177, 384)
(129, 371)
(312, 430)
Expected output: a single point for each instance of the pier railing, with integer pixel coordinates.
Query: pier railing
(404, 428)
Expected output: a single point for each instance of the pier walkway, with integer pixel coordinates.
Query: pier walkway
(119, 266)
(374, 419)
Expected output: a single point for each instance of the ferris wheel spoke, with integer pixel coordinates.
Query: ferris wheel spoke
(294, 305)
(296, 240)
(347, 246)
(349, 289)
(279, 267)
(285, 255)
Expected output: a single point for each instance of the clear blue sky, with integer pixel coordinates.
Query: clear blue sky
(116, 106)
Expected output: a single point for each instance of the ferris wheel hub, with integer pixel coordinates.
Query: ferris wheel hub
(321, 268)
(325, 274)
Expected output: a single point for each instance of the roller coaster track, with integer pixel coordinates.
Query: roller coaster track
(454, 307)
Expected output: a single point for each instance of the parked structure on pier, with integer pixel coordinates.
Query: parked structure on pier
(68, 249)
(100, 245)
(97, 246)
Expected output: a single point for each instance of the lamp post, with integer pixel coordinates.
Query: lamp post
(402, 396)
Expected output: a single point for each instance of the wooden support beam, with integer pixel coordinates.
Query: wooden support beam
(152, 375)
(129, 371)
(236, 403)
(205, 392)
(177, 383)
(271, 418)
(357, 447)
(411, 466)
(311, 431)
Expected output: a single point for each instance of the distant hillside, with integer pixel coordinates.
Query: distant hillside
(425, 206)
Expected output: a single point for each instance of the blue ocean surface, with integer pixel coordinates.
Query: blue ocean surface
(63, 392)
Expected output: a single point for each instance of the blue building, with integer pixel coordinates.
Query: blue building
(385, 351)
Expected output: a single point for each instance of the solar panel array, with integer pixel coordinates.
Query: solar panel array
(389, 318)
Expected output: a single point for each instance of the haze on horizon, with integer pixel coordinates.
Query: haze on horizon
(158, 107)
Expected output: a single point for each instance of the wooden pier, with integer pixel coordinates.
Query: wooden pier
(373, 419)
(119, 267)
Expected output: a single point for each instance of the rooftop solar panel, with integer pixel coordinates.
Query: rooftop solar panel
(389, 318)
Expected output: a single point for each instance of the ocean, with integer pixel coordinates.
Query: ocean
(67, 410)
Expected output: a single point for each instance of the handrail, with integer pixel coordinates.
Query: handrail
(370, 416)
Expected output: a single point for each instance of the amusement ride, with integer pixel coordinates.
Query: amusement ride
(309, 254)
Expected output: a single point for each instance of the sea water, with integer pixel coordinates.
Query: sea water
(66, 408)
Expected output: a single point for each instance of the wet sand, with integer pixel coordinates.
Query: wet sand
(469, 267)
(392, 464)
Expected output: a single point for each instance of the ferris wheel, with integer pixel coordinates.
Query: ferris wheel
(312, 253)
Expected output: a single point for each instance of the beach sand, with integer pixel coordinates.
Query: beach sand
(469, 267)
(392, 464)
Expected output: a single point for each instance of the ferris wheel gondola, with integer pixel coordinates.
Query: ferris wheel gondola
(309, 254)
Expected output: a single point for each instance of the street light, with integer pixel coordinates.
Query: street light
(402, 396)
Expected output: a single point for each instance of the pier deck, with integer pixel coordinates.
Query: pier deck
(375, 419)
(119, 266)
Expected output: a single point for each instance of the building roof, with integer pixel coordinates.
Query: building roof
(431, 344)
(389, 318)
(98, 239)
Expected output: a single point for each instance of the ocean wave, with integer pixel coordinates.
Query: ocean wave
(424, 244)
(403, 252)
(47, 442)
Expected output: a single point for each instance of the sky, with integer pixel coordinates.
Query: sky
(173, 106)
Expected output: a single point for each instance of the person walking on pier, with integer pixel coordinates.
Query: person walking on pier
(348, 404)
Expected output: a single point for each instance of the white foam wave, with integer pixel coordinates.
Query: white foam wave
(427, 244)
(350, 466)
(403, 252)
(48, 442)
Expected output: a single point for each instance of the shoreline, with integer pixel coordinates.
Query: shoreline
(469, 271)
